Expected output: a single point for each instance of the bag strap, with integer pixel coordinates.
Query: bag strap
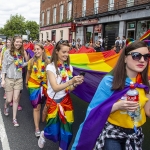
(56, 92)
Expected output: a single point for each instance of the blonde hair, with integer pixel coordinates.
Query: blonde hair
(44, 57)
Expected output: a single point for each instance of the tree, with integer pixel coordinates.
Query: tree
(33, 27)
(1, 31)
(18, 25)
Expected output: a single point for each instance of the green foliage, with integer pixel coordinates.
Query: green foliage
(18, 25)
(33, 27)
(1, 31)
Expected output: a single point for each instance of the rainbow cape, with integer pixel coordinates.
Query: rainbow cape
(98, 112)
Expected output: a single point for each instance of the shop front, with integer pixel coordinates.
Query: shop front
(136, 28)
(142, 27)
(91, 30)
(111, 31)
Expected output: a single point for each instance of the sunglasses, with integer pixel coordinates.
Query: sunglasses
(137, 56)
(61, 42)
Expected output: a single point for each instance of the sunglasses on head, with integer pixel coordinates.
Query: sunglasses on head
(137, 56)
(61, 42)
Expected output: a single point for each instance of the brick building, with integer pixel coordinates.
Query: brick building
(110, 18)
(56, 20)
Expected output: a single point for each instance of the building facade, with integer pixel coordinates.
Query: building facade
(56, 20)
(110, 19)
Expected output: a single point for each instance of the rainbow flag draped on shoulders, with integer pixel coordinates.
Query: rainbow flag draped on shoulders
(98, 112)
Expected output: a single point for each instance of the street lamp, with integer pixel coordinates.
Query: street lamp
(28, 33)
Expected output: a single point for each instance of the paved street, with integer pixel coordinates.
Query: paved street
(22, 138)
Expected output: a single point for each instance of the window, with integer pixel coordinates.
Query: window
(69, 13)
(61, 12)
(83, 8)
(61, 34)
(111, 5)
(48, 17)
(42, 18)
(130, 3)
(47, 35)
(54, 15)
(42, 36)
(96, 5)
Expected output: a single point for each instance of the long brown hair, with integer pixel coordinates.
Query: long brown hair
(119, 71)
(21, 49)
(54, 57)
(44, 57)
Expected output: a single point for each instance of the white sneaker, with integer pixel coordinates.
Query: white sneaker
(41, 140)
(37, 133)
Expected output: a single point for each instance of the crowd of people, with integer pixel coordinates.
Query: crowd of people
(107, 124)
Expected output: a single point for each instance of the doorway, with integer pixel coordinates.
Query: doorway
(131, 34)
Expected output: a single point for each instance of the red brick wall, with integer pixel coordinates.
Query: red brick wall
(49, 4)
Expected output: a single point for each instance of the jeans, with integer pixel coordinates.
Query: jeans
(116, 144)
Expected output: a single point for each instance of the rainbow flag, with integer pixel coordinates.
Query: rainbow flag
(145, 36)
(36, 90)
(96, 66)
(59, 121)
(49, 50)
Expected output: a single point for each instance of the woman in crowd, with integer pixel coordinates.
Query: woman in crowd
(60, 110)
(13, 62)
(8, 44)
(108, 122)
(36, 82)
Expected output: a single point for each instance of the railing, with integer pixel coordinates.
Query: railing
(110, 7)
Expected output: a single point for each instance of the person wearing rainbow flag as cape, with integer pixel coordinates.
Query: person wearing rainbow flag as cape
(60, 110)
(107, 125)
(36, 82)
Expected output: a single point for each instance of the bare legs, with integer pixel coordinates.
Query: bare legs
(15, 96)
(36, 116)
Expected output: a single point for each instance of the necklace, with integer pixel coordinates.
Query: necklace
(65, 72)
(40, 74)
(18, 61)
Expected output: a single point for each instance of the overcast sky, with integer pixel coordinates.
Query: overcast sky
(29, 9)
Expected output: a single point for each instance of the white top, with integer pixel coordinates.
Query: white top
(101, 40)
(50, 91)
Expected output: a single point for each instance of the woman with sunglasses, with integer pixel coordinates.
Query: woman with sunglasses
(13, 63)
(108, 124)
(60, 110)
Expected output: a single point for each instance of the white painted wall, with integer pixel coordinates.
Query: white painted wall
(58, 35)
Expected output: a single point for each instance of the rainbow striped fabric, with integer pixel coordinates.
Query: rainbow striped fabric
(145, 36)
(59, 121)
(36, 90)
(99, 61)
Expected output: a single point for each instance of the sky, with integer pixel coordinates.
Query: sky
(29, 9)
